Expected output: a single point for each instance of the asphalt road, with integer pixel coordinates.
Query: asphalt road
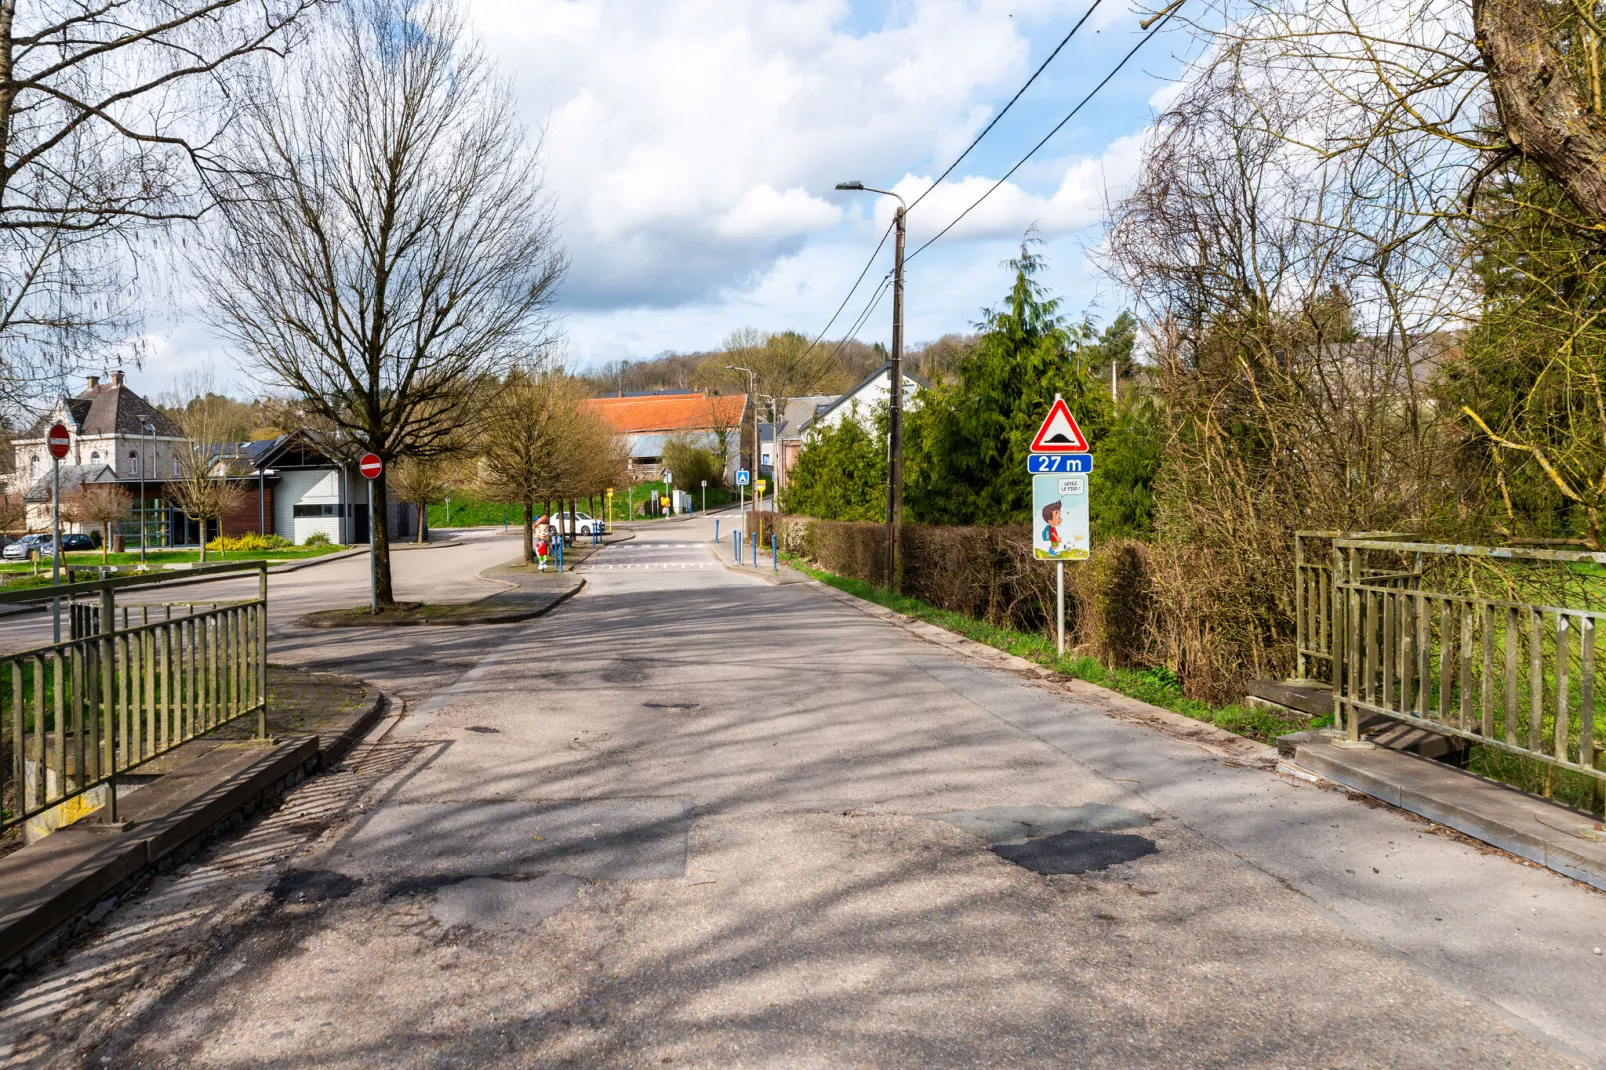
(691, 819)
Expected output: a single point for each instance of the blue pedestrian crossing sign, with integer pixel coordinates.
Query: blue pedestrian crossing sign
(743, 477)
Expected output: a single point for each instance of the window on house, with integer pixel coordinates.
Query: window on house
(764, 458)
(33, 465)
(94, 457)
(133, 463)
(175, 468)
(316, 510)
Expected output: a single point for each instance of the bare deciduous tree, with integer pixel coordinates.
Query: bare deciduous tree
(201, 486)
(108, 111)
(418, 482)
(390, 246)
(104, 504)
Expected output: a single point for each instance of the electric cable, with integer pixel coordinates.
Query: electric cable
(1154, 28)
(1064, 41)
(852, 290)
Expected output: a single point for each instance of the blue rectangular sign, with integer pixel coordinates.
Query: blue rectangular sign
(743, 477)
(1043, 464)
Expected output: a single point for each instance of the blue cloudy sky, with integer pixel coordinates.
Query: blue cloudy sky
(692, 148)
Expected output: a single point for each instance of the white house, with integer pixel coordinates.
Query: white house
(872, 393)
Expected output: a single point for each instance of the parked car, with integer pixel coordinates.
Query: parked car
(582, 524)
(38, 542)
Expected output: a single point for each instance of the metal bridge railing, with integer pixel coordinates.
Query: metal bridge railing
(1317, 627)
(1517, 676)
(131, 683)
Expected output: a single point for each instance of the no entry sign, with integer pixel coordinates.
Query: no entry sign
(58, 442)
(371, 465)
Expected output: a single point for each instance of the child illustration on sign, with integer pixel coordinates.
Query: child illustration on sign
(1052, 513)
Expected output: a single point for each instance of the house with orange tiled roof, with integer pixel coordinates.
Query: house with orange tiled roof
(647, 421)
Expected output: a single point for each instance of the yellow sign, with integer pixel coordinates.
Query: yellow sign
(610, 492)
(761, 485)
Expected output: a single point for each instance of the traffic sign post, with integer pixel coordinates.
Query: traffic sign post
(705, 505)
(1060, 465)
(371, 466)
(58, 442)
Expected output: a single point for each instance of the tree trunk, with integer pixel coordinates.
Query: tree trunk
(379, 536)
(423, 522)
(529, 532)
(202, 523)
(105, 542)
(1534, 58)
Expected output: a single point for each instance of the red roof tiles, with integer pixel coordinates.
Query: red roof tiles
(669, 412)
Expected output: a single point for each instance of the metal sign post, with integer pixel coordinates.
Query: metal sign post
(705, 499)
(370, 466)
(58, 441)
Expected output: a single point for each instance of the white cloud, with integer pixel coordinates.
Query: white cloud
(1085, 187)
(690, 145)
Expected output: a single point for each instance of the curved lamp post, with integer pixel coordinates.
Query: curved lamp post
(895, 421)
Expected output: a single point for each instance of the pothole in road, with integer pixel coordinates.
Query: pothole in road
(673, 705)
(1056, 839)
(1075, 851)
(313, 886)
(483, 728)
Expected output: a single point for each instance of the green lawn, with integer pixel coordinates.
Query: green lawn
(92, 558)
(1156, 686)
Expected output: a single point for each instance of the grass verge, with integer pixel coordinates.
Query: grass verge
(85, 559)
(1156, 686)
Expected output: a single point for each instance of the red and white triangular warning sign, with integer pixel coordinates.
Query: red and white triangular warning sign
(1059, 433)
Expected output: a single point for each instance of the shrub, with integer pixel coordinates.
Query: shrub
(317, 538)
(250, 542)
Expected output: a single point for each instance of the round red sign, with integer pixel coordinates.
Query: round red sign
(370, 465)
(58, 441)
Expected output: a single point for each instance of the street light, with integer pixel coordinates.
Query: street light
(752, 391)
(150, 429)
(895, 421)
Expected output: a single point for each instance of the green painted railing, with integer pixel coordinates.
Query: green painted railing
(131, 683)
(1514, 675)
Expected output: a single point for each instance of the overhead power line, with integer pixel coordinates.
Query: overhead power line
(1153, 28)
(949, 170)
(851, 290)
(870, 307)
(1063, 42)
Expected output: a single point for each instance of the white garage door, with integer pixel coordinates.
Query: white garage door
(318, 490)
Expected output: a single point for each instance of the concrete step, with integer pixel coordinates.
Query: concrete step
(1304, 697)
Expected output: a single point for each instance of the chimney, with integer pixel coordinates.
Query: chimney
(94, 381)
(117, 377)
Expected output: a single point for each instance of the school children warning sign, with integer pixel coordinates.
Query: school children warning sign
(1059, 433)
(1059, 518)
(1059, 499)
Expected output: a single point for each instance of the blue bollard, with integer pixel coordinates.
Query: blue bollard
(560, 552)
(775, 554)
(716, 531)
(755, 549)
(736, 540)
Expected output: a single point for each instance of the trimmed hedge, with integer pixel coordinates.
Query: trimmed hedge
(1131, 605)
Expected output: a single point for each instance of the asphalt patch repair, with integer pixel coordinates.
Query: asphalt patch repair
(1075, 851)
(1056, 839)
